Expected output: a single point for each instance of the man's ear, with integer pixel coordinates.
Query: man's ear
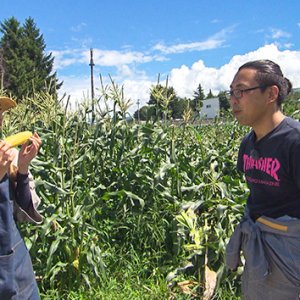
(273, 93)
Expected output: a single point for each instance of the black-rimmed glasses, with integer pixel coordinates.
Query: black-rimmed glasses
(238, 93)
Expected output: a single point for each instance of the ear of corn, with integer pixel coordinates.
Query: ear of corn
(19, 138)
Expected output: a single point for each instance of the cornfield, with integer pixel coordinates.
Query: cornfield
(130, 202)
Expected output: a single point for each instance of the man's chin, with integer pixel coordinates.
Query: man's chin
(242, 121)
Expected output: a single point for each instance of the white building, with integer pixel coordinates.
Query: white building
(210, 108)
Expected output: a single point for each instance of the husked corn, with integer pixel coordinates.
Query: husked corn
(18, 138)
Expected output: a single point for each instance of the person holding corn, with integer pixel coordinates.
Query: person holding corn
(269, 233)
(18, 202)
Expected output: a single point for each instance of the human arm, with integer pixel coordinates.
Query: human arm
(28, 152)
(6, 157)
(23, 194)
(27, 199)
(25, 210)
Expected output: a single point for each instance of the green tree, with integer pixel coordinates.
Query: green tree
(210, 95)
(1, 69)
(177, 107)
(10, 46)
(147, 112)
(27, 68)
(223, 100)
(198, 98)
(161, 98)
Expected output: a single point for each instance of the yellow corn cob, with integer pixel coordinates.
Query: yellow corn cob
(19, 138)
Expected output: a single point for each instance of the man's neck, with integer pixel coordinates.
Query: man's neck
(268, 124)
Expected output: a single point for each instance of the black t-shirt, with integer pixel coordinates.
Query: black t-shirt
(272, 170)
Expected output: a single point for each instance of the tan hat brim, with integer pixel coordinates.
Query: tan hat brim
(6, 103)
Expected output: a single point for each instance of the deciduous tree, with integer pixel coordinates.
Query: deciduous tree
(224, 102)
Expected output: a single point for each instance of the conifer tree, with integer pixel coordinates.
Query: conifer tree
(198, 98)
(210, 95)
(27, 68)
(10, 46)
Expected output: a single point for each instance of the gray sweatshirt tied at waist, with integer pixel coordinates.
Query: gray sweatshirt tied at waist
(271, 248)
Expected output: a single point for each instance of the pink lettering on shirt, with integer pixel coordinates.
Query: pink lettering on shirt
(267, 165)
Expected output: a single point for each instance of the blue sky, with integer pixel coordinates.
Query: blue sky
(191, 41)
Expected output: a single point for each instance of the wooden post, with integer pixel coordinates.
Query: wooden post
(92, 83)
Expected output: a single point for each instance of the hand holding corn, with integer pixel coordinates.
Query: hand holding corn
(28, 152)
(30, 147)
(18, 138)
(7, 155)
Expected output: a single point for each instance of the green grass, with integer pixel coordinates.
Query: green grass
(134, 289)
(112, 289)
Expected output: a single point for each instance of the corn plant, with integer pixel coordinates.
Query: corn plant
(112, 192)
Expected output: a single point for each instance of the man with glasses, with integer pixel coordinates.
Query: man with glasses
(269, 156)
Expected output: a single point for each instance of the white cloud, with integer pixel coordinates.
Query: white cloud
(214, 21)
(197, 46)
(185, 79)
(125, 60)
(125, 57)
(79, 27)
(65, 58)
(116, 58)
(283, 45)
(107, 58)
(215, 41)
(77, 88)
(278, 33)
(288, 45)
(137, 90)
(83, 42)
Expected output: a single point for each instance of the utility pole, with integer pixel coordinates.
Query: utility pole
(138, 105)
(92, 83)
